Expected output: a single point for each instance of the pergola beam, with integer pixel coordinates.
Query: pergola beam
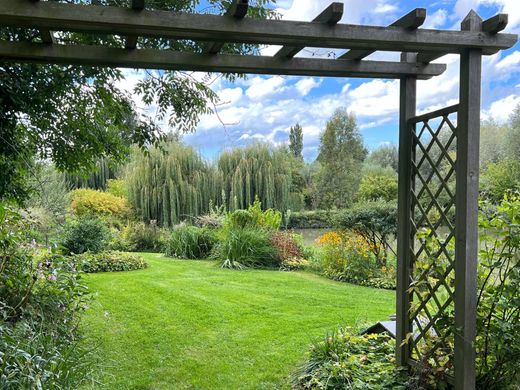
(411, 21)
(330, 16)
(131, 40)
(225, 63)
(238, 10)
(493, 25)
(45, 34)
(174, 25)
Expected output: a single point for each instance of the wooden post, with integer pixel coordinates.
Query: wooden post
(404, 262)
(466, 220)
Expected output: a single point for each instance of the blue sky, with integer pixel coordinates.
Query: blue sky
(263, 108)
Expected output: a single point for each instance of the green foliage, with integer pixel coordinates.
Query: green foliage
(378, 183)
(498, 305)
(385, 156)
(500, 178)
(296, 141)
(109, 261)
(315, 219)
(168, 185)
(42, 299)
(97, 179)
(117, 187)
(245, 248)
(258, 170)
(348, 361)
(190, 242)
(376, 222)
(139, 237)
(84, 234)
(92, 202)
(341, 155)
(253, 217)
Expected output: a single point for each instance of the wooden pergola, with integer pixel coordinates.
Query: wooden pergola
(453, 293)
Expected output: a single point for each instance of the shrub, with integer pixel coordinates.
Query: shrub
(248, 247)
(347, 257)
(318, 219)
(41, 303)
(253, 217)
(84, 234)
(117, 187)
(286, 245)
(109, 261)
(378, 184)
(143, 238)
(500, 178)
(376, 222)
(190, 242)
(92, 202)
(346, 360)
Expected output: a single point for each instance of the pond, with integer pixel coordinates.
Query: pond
(310, 235)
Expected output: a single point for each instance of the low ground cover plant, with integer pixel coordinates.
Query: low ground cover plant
(190, 242)
(344, 359)
(109, 261)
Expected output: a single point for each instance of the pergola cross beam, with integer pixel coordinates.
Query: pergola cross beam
(330, 16)
(411, 21)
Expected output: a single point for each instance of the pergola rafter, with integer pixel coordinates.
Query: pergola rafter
(418, 191)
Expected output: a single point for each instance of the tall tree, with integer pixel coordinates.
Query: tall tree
(73, 115)
(384, 156)
(341, 156)
(296, 141)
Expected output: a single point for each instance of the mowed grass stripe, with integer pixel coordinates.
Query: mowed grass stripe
(184, 324)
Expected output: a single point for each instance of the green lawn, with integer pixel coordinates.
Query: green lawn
(189, 325)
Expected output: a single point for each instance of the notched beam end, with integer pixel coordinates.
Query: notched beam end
(495, 24)
(331, 15)
(138, 5)
(238, 9)
(412, 20)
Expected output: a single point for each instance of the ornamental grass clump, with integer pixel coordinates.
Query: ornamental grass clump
(190, 242)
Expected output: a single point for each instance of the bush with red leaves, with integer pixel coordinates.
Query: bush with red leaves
(286, 245)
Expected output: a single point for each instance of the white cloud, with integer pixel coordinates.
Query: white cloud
(510, 62)
(304, 86)
(262, 87)
(501, 110)
(437, 19)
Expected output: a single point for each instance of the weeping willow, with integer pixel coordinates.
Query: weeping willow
(176, 183)
(259, 171)
(172, 184)
(96, 180)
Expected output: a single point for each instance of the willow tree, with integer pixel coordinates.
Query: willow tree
(171, 184)
(257, 170)
(97, 179)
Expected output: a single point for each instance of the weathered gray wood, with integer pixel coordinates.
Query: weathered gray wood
(407, 107)
(226, 63)
(411, 21)
(466, 210)
(331, 16)
(435, 114)
(150, 23)
(492, 25)
(46, 35)
(131, 40)
(495, 24)
(238, 10)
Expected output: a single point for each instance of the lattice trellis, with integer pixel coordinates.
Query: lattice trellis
(432, 279)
